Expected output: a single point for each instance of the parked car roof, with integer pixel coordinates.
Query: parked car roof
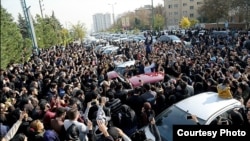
(135, 80)
(206, 106)
(168, 38)
(209, 101)
(146, 78)
(127, 63)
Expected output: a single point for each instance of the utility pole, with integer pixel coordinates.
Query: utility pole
(30, 26)
(152, 4)
(41, 7)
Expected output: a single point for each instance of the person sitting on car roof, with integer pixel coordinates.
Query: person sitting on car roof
(148, 67)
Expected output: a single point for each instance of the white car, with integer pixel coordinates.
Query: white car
(110, 50)
(201, 33)
(121, 67)
(206, 106)
(169, 38)
(105, 47)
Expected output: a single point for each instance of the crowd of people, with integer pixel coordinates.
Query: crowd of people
(63, 93)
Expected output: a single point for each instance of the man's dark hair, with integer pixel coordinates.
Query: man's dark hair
(147, 86)
(110, 95)
(72, 101)
(94, 95)
(72, 113)
(60, 111)
(53, 85)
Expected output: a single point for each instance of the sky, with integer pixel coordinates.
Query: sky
(69, 12)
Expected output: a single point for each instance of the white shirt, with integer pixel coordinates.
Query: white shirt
(147, 69)
(81, 127)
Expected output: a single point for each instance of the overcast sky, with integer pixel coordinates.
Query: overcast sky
(71, 11)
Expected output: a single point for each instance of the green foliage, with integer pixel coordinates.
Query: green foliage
(11, 40)
(78, 31)
(158, 22)
(193, 22)
(23, 26)
(215, 10)
(65, 36)
(48, 31)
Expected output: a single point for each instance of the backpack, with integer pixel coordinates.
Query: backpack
(72, 133)
(139, 135)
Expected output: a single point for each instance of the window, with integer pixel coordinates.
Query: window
(191, 7)
(175, 13)
(175, 5)
(184, 12)
(169, 6)
(184, 4)
(199, 3)
(191, 0)
(191, 15)
(170, 13)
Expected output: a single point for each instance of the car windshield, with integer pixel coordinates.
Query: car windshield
(164, 37)
(172, 116)
(108, 51)
(174, 38)
(120, 70)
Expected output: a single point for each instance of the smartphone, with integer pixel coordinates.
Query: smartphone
(189, 117)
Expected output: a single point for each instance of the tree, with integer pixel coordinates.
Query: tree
(241, 9)
(48, 31)
(214, 10)
(40, 32)
(27, 43)
(65, 36)
(185, 23)
(159, 9)
(193, 22)
(78, 31)
(11, 40)
(22, 25)
(158, 22)
(144, 16)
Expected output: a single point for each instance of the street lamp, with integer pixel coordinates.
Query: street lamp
(41, 7)
(113, 13)
(29, 22)
(152, 14)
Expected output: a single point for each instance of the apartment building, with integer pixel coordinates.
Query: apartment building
(176, 9)
(101, 21)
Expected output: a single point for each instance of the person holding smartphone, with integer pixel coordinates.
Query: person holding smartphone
(194, 118)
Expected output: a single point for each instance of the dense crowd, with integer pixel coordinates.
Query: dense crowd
(63, 93)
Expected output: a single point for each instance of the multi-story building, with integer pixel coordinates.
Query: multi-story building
(176, 9)
(101, 21)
